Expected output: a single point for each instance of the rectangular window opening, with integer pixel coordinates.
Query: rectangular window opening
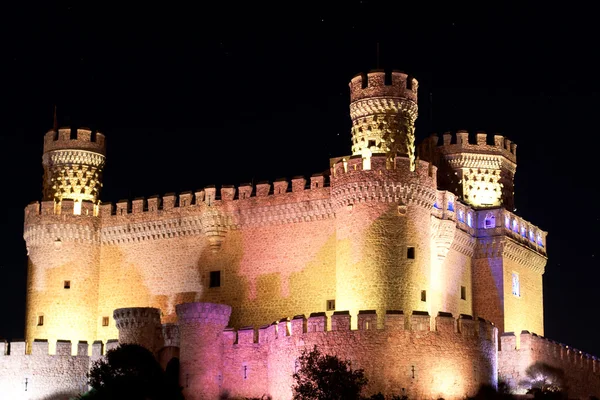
(423, 295)
(67, 285)
(410, 253)
(330, 305)
(104, 321)
(516, 287)
(40, 320)
(463, 293)
(215, 279)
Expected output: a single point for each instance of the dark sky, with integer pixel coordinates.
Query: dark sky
(228, 93)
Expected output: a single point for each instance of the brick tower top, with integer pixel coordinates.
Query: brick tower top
(383, 109)
(73, 162)
(67, 138)
(381, 84)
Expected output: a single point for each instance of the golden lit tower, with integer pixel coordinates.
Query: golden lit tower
(63, 240)
(383, 110)
(480, 173)
(73, 161)
(383, 199)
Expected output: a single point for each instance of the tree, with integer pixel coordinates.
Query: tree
(325, 377)
(544, 381)
(130, 372)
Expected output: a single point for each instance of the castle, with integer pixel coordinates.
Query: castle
(406, 260)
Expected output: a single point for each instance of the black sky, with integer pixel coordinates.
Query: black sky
(227, 93)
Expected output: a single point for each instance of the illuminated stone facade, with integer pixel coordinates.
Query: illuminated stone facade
(370, 249)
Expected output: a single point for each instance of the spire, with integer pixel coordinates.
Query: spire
(55, 125)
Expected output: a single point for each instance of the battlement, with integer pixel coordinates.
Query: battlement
(355, 180)
(68, 138)
(316, 187)
(212, 195)
(542, 346)
(40, 347)
(518, 352)
(481, 143)
(378, 83)
(395, 320)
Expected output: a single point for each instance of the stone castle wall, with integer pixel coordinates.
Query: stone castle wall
(518, 352)
(278, 245)
(40, 374)
(404, 357)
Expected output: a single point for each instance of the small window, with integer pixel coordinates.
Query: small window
(371, 143)
(67, 285)
(410, 253)
(104, 321)
(423, 295)
(40, 320)
(463, 293)
(330, 305)
(215, 279)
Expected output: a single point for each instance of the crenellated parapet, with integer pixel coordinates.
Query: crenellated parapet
(30, 371)
(353, 181)
(480, 172)
(67, 138)
(50, 222)
(417, 321)
(213, 211)
(519, 352)
(139, 325)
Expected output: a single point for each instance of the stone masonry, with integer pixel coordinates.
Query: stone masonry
(425, 229)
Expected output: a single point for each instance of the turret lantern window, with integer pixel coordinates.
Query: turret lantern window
(490, 221)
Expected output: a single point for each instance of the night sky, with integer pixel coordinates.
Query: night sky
(227, 93)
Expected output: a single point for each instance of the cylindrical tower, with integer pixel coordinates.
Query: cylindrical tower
(62, 238)
(383, 109)
(383, 200)
(201, 347)
(139, 325)
(73, 161)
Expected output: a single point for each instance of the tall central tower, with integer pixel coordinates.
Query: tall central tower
(383, 109)
(63, 240)
(383, 199)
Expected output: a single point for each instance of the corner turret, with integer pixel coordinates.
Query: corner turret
(383, 109)
(480, 173)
